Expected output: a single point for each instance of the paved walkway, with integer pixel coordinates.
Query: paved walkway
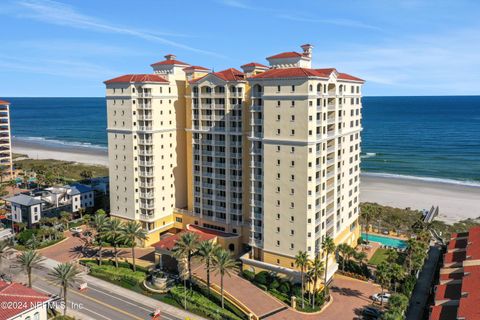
(255, 299)
(421, 292)
(349, 297)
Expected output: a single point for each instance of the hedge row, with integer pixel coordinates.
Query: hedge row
(199, 304)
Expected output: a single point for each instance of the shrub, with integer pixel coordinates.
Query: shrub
(26, 234)
(263, 277)
(261, 286)
(408, 285)
(280, 296)
(202, 305)
(274, 284)
(249, 275)
(284, 287)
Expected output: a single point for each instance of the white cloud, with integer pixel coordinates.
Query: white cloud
(53, 12)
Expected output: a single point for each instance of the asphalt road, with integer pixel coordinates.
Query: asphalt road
(98, 303)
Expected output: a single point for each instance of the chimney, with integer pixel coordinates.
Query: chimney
(170, 57)
(307, 50)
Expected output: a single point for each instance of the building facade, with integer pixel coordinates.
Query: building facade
(271, 154)
(5, 141)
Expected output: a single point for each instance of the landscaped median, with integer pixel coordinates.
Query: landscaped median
(197, 300)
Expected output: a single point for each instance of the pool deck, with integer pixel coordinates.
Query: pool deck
(401, 237)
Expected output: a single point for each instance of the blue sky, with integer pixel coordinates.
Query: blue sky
(410, 47)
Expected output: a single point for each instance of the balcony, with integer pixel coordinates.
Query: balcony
(146, 174)
(147, 195)
(145, 128)
(144, 184)
(147, 142)
(144, 152)
(145, 205)
(330, 161)
(256, 122)
(256, 203)
(147, 217)
(145, 106)
(144, 94)
(145, 117)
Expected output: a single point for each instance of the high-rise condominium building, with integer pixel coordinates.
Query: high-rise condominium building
(270, 154)
(5, 141)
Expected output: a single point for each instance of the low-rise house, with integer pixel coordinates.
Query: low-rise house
(456, 295)
(22, 303)
(30, 208)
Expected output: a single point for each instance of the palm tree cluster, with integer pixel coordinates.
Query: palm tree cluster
(347, 253)
(391, 272)
(116, 233)
(65, 274)
(216, 259)
(311, 271)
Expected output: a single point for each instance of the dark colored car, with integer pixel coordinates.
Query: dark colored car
(371, 313)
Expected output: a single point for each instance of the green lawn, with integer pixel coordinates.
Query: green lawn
(378, 257)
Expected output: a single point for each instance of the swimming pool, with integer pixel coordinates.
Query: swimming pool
(387, 241)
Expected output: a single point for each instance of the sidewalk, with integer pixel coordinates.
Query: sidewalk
(421, 291)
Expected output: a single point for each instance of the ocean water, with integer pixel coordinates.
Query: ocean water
(432, 138)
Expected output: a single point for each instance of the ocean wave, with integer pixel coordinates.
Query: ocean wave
(61, 143)
(467, 183)
(368, 155)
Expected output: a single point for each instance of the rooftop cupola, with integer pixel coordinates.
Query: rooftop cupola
(170, 56)
(307, 50)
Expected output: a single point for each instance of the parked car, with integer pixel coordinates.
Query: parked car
(370, 313)
(76, 231)
(381, 297)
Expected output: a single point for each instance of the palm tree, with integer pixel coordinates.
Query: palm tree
(131, 233)
(65, 275)
(99, 223)
(301, 261)
(65, 218)
(81, 212)
(328, 247)
(223, 263)
(360, 256)
(317, 271)
(114, 235)
(29, 260)
(367, 212)
(206, 251)
(308, 281)
(86, 219)
(384, 276)
(391, 255)
(185, 247)
(343, 249)
(4, 248)
(398, 274)
(32, 242)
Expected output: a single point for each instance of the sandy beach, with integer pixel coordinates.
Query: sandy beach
(456, 201)
(39, 150)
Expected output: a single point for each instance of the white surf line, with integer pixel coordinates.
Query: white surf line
(91, 311)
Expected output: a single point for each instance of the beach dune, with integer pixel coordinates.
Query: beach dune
(456, 201)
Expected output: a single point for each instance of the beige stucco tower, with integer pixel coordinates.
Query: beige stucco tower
(270, 154)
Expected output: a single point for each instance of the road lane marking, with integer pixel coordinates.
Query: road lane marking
(83, 308)
(97, 301)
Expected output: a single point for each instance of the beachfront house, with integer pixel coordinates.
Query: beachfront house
(31, 207)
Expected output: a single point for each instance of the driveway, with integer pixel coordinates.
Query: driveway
(349, 297)
(70, 249)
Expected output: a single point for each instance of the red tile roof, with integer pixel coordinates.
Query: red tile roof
(169, 62)
(468, 307)
(230, 74)
(3, 102)
(24, 297)
(169, 243)
(345, 76)
(443, 312)
(283, 55)
(132, 78)
(448, 291)
(293, 73)
(457, 244)
(457, 256)
(192, 68)
(254, 64)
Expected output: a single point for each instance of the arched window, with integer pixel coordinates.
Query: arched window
(36, 316)
(231, 247)
(311, 88)
(319, 87)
